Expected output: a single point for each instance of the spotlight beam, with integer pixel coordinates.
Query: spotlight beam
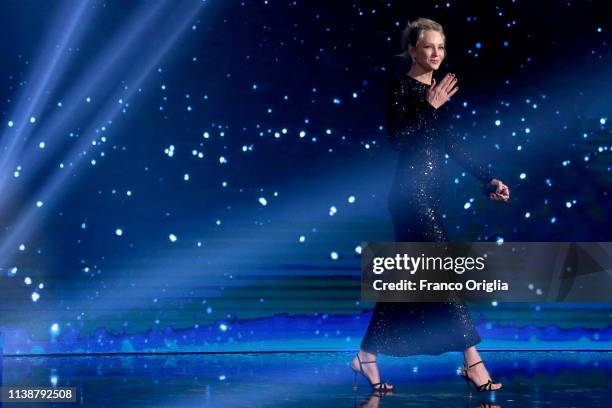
(98, 72)
(44, 76)
(52, 189)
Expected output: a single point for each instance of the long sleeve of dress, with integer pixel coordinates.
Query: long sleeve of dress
(407, 116)
(466, 159)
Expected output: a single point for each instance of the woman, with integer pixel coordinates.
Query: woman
(403, 329)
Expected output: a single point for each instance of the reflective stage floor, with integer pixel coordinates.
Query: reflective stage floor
(531, 379)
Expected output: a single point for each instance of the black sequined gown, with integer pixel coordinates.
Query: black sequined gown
(414, 127)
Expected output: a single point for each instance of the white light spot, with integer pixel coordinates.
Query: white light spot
(169, 150)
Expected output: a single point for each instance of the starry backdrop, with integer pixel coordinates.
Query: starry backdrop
(200, 175)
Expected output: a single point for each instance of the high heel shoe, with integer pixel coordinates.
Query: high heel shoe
(380, 387)
(488, 386)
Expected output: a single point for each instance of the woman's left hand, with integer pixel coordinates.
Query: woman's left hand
(502, 193)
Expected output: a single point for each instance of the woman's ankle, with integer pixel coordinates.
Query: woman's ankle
(366, 355)
(470, 356)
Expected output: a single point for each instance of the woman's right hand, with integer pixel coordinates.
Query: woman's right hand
(438, 95)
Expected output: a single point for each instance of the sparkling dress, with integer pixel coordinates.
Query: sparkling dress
(409, 328)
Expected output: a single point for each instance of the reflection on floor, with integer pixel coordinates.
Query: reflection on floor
(555, 379)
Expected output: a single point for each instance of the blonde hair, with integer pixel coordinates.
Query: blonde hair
(413, 33)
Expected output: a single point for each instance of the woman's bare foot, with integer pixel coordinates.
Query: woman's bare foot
(370, 370)
(477, 373)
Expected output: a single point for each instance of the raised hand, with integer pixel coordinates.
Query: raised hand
(437, 95)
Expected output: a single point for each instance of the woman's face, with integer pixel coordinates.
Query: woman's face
(430, 51)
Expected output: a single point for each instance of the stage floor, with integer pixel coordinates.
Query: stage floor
(551, 379)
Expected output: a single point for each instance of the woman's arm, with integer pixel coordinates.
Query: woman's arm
(466, 160)
(406, 115)
(491, 186)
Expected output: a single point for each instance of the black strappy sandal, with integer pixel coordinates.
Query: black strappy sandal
(379, 387)
(488, 386)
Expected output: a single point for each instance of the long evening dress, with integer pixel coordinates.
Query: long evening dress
(409, 328)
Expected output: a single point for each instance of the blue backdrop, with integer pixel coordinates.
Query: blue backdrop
(200, 175)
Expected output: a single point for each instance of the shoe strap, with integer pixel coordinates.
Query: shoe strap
(487, 386)
(364, 362)
(380, 386)
(479, 362)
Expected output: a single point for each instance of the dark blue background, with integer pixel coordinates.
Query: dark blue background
(252, 265)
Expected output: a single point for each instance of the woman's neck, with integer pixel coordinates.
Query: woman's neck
(420, 74)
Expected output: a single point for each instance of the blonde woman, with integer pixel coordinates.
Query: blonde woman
(415, 131)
